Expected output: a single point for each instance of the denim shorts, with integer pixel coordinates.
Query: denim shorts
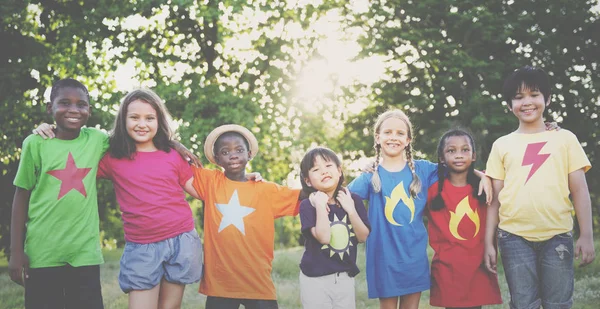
(538, 273)
(177, 260)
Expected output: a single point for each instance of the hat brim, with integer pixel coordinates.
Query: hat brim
(209, 144)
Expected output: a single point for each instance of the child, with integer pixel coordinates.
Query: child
(56, 210)
(456, 224)
(238, 223)
(533, 173)
(397, 263)
(163, 252)
(333, 223)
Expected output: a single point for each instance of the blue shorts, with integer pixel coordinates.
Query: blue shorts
(177, 259)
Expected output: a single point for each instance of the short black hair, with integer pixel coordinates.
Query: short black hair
(527, 77)
(309, 161)
(67, 83)
(228, 134)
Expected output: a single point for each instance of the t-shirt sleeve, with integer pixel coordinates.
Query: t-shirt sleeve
(577, 157)
(184, 170)
(361, 185)
(284, 201)
(29, 167)
(202, 179)
(495, 165)
(429, 172)
(308, 218)
(361, 210)
(105, 141)
(104, 170)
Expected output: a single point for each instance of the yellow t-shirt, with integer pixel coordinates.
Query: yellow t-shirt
(534, 202)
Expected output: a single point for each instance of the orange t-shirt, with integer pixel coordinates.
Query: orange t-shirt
(239, 233)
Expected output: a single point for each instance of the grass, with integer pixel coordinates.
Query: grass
(285, 275)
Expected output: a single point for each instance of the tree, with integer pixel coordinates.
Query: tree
(448, 59)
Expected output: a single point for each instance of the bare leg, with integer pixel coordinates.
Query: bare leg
(144, 299)
(410, 301)
(388, 303)
(170, 295)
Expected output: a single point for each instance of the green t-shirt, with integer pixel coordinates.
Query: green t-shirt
(63, 224)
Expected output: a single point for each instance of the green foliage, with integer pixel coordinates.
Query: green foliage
(217, 62)
(448, 60)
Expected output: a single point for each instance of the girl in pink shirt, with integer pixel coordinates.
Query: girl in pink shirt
(163, 252)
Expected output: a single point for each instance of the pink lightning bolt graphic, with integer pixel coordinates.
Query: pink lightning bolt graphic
(534, 158)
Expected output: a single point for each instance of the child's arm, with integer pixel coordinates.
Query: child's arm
(485, 185)
(360, 228)
(490, 255)
(45, 130)
(580, 194)
(185, 153)
(321, 231)
(189, 188)
(18, 264)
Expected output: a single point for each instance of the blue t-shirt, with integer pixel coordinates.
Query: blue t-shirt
(397, 262)
(340, 254)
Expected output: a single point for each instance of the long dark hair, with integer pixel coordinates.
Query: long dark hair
(473, 180)
(309, 161)
(121, 144)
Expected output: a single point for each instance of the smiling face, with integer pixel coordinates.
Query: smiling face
(142, 124)
(71, 110)
(458, 154)
(393, 137)
(528, 106)
(324, 175)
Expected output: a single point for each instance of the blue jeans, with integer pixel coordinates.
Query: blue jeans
(538, 273)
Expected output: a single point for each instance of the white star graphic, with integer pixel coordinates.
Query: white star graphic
(234, 213)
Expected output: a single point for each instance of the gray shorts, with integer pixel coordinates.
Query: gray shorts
(177, 259)
(335, 291)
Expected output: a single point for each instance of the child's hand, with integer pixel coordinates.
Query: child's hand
(369, 167)
(490, 258)
(485, 185)
(45, 130)
(346, 201)
(550, 126)
(584, 249)
(186, 154)
(255, 176)
(18, 267)
(319, 200)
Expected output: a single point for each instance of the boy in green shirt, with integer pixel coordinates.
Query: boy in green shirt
(55, 238)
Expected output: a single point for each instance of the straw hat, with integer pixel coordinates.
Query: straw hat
(209, 144)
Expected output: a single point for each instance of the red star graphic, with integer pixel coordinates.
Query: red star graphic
(71, 177)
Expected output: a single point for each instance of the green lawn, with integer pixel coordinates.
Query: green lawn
(285, 274)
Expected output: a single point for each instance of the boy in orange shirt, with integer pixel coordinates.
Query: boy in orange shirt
(239, 223)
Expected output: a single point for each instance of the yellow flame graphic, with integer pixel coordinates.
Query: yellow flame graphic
(463, 208)
(398, 194)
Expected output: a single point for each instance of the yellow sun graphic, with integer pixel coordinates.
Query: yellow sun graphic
(341, 234)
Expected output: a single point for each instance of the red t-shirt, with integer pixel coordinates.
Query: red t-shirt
(456, 234)
(239, 233)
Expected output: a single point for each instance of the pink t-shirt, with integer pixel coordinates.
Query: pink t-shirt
(150, 195)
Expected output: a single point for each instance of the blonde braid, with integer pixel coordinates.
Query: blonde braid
(376, 180)
(415, 185)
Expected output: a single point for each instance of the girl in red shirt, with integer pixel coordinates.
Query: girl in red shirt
(456, 224)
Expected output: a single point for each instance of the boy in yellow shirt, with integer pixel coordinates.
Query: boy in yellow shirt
(533, 172)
